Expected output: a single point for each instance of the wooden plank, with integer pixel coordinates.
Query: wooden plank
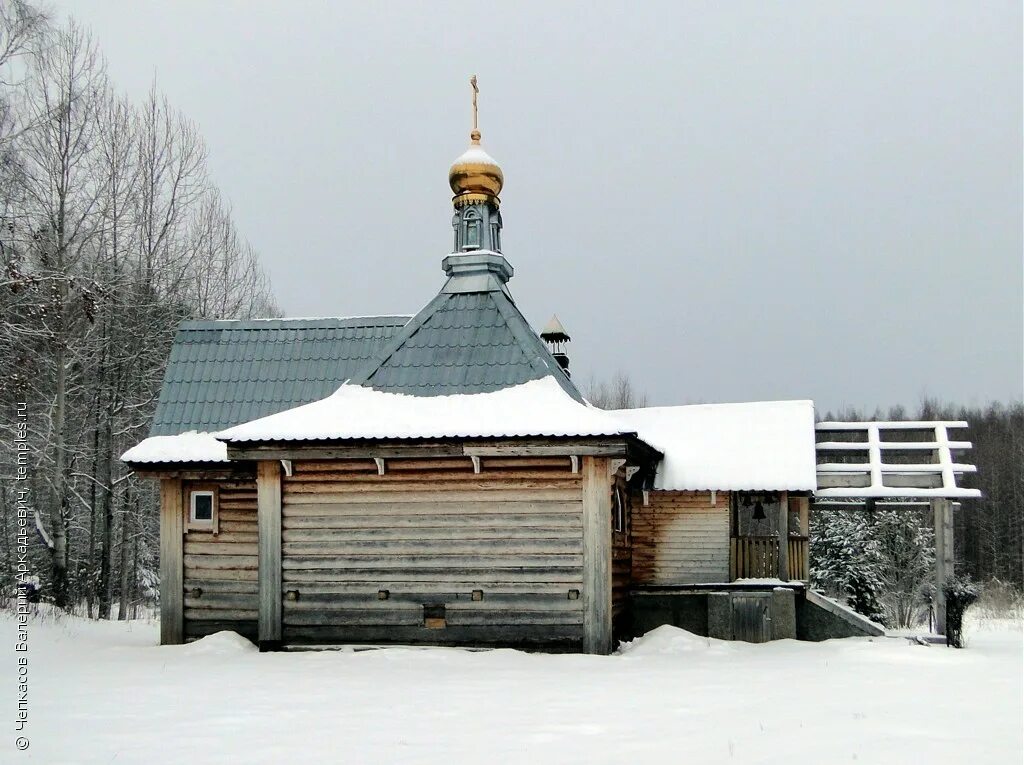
(448, 547)
(546, 463)
(410, 533)
(448, 590)
(240, 527)
(431, 561)
(352, 522)
(365, 512)
(395, 615)
(597, 554)
(327, 453)
(221, 561)
(454, 601)
(222, 614)
(309, 466)
(237, 515)
(219, 547)
(431, 488)
(218, 586)
(178, 472)
(596, 450)
(194, 572)
(491, 618)
(783, 547)
(221, 600)
(548, 491)
(538, 636)
(392, 477)
(223, 538)
(172, 526)
(268, 483)
(571, 576)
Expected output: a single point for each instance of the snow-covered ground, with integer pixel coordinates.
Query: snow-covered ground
(105, 693)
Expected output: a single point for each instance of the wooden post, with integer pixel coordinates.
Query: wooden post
(784, 536)
(804, 504)
(597, 555)
(942, 517)
(268, 503)
(172, 584)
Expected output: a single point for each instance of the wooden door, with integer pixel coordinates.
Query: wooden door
(751, 617)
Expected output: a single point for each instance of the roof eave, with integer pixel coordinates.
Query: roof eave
(622, 445)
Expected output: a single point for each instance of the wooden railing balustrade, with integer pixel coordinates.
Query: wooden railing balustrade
(758, 558)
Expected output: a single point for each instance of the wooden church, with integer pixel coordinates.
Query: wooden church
(439, 479)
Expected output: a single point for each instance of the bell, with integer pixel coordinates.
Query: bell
(758, 511)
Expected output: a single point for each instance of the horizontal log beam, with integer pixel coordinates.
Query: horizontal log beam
(387, 450)
(897, 446)
(889, 467)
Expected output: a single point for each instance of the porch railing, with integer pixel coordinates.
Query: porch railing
(758, 558)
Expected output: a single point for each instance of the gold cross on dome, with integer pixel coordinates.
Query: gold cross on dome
(472, 82)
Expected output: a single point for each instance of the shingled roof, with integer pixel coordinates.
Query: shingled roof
(223, 373)
(471, 338)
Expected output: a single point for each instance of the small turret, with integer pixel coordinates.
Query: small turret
(476, 180)
(557, 340)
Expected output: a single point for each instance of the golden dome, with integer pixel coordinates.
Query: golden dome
(475, 176)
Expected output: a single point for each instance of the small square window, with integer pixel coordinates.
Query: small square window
(201, 508)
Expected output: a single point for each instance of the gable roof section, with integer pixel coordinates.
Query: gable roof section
(471, 338)
(222, 373)
(762, 445)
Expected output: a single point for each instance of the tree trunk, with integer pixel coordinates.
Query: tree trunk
(126, 517)
(59, 550)
(106, 584)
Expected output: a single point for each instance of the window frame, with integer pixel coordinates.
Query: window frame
(191, 522)
(618, 510)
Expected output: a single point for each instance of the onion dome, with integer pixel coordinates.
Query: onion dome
(475, 176)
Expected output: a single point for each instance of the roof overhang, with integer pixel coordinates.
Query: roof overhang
(627, 446)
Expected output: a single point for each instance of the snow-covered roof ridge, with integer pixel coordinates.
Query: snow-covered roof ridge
(538, 408)
(760, 445)
(184, 447)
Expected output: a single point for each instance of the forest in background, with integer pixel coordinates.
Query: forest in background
(111, 232)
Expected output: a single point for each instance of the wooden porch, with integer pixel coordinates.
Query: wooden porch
(770, 536)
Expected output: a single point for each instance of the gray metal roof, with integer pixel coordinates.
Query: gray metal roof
(471, 338)
(223, 373)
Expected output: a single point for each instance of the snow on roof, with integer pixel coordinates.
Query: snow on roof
(764, 445)
(536, 408)
(184, 447)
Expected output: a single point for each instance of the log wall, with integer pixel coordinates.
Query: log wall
(433, 552)
(220, 569)
(679, 537)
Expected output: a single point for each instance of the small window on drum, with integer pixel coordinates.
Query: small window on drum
(202, 509)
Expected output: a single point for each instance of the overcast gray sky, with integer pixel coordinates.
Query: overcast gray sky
(730, 201)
